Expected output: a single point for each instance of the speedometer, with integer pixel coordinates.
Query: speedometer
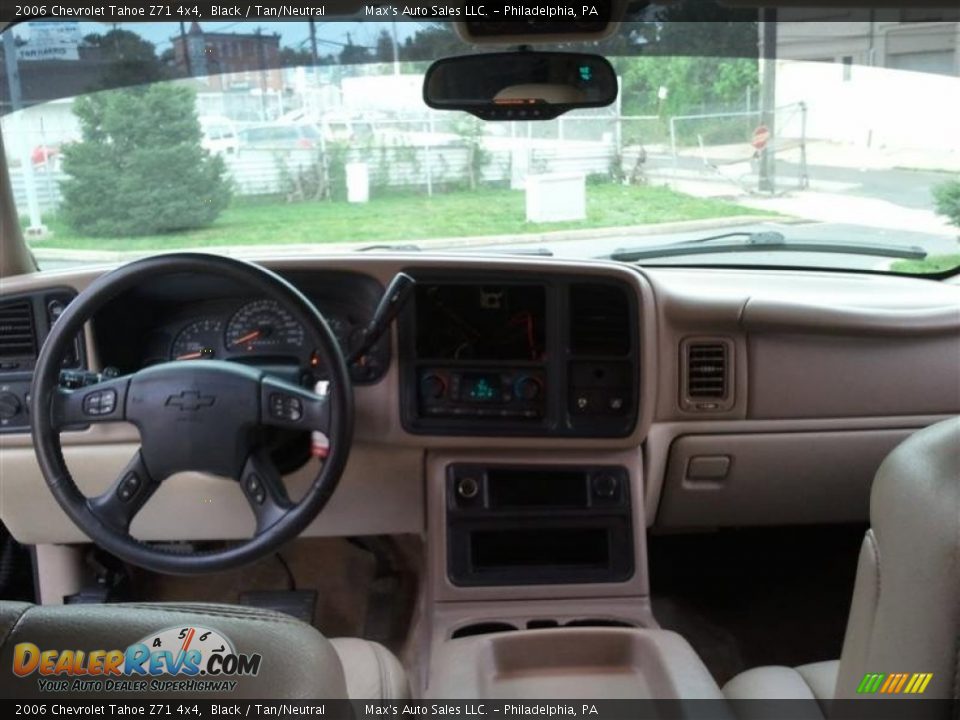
(263, 325)
(197, 341)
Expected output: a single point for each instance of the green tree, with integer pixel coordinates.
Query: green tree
(131, 60)
(694, 84)
(296, 56)
(384, 48)
(432, 41)
(355, 54)
(140, 169)
(470, 130)
(946, 198)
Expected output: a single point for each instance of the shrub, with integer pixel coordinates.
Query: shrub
(140, 168)
(947, 200)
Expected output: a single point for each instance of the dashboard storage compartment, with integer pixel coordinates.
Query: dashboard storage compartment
(535, 525)
(570, 663)
(773, 478)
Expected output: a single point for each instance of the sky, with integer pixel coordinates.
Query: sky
(331, 36)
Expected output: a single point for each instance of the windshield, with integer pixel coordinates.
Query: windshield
(265, 138)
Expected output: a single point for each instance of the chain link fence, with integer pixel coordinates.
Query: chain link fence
(442, 152)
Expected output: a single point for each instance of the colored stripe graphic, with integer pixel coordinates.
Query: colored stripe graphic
(870, 683)
(894, 683)
(927, 677)
(901, 682)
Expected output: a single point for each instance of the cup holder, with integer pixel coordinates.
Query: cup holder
(599, 622)
(489, 627)
(483, 628)
(541, 624)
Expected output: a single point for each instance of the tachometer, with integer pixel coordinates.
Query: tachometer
(264, 325)
(197, 341)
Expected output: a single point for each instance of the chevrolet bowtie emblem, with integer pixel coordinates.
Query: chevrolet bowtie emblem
(190, 400)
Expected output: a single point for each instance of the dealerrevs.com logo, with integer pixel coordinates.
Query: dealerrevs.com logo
(177, 659)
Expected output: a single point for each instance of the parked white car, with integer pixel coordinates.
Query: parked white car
(220, 136)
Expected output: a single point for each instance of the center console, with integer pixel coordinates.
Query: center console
(581, 663)
(537, 579)
(538, 582)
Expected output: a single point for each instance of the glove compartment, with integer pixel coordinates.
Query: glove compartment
(773, 478)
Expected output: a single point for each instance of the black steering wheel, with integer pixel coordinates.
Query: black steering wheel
(199, 416)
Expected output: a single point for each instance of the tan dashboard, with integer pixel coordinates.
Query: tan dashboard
(761, 397)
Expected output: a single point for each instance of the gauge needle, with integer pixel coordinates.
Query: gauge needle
(247, 338)
(190, 356)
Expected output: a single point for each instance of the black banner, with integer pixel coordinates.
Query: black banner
(343, 10)
(875, 709)
(589, 15)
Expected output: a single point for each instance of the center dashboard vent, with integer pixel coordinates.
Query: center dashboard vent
(706, 375)
(599, 320)
(18, 337)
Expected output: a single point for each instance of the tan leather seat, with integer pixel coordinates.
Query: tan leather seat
(905, 612)
(296, 660)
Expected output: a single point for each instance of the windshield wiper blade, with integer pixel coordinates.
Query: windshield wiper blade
(385, 247)
(767, 241)
(388, 247)
(493, 250)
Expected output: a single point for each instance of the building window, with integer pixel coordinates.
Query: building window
(917, 15)
(940, 62)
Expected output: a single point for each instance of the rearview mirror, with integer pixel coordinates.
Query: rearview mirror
(520, 85)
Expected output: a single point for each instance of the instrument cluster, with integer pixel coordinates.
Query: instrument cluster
(260, 331)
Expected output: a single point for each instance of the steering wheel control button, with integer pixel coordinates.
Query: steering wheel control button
(108, 402)
(255, 489)
(128, 487)
(100, 402)
(286, 407)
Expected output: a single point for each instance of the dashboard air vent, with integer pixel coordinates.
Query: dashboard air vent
(17, 333)
(599, 320)
(706, 375)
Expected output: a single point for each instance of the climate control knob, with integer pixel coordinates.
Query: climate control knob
(527, 387)
(10, 406)
(432, 387)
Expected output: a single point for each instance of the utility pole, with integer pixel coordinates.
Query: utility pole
(262, 62)
(768, 98)
(36, 228)
(396, 48)
(186, 49)
(313, 43)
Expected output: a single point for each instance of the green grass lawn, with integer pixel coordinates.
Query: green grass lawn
(406, 217)
(930, 264)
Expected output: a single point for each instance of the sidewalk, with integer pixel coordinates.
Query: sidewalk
(852, 210)
(863, 186)
(843, 155)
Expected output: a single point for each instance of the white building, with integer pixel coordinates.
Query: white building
(918, 41)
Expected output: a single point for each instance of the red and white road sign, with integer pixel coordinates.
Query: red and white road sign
(760, 138)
